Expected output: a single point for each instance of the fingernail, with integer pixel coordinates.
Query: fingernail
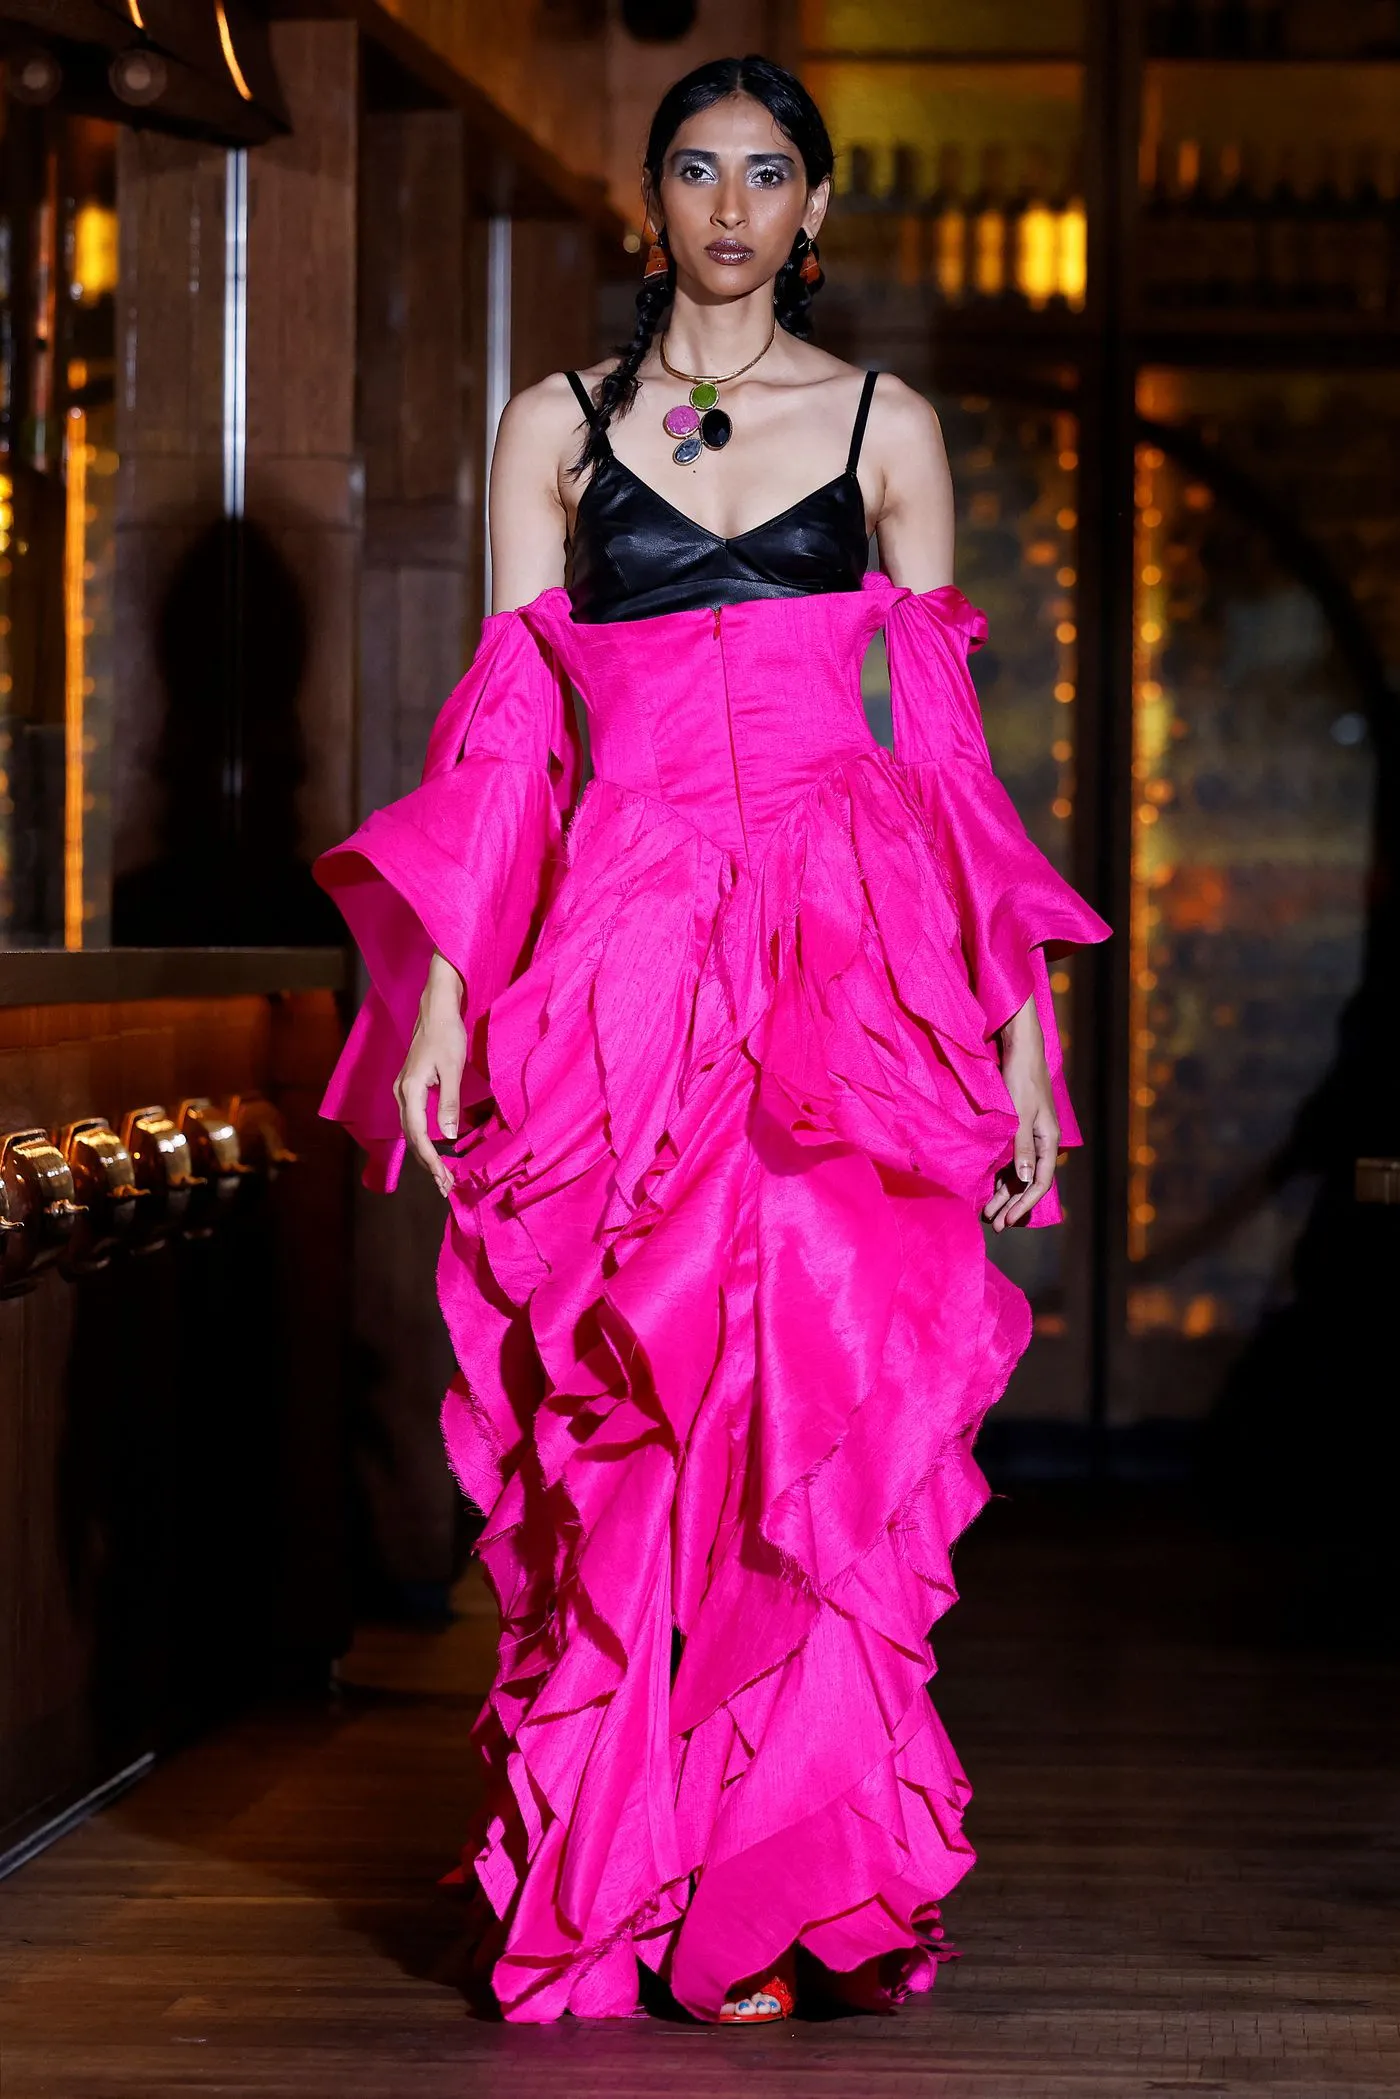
(449, 1129)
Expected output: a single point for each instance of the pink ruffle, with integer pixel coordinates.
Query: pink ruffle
(726, 1326)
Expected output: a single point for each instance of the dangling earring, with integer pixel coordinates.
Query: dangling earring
(810, 269)
(658, 261)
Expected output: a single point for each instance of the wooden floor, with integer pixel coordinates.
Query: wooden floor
(1187, 1823)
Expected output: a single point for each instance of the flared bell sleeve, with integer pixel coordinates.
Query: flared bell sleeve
(464, 865)
(1012, 905)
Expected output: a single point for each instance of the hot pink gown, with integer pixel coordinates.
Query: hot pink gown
(714, 1269)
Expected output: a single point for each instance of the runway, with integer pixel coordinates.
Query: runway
(1186, 1816)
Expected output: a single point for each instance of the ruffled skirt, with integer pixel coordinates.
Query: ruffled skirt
(726, 1328)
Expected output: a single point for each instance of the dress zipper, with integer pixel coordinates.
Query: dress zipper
(729, 724)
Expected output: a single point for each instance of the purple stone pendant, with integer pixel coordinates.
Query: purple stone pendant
(683, 422)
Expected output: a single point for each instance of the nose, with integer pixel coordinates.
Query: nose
(731, 206)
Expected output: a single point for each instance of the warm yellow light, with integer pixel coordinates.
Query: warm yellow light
(134, 11)
(950, 252)
(1064, 692)
(94, 252)
(230, 58)
(1065, 577)
(1151, 458)
(989, 253)
(1150, 691)
(1066, 519)
(75, 628)
(1150, 631)
(1073, 259)
(1069, 461)
(1151, 574)
(1152, 518)
(1062, 750)
(1059, 981)
(1036, 256)
(1147, 814)
(1061, 807)
(1066, 632)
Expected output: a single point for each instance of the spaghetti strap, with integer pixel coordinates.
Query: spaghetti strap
(584, 402)
(858, 432)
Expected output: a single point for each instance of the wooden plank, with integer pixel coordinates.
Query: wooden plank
(1187, 1833)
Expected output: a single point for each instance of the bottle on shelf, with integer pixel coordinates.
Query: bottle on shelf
(1243, 237)
(948, 214)
(1285, 241)
(1182, 275)
(905, 201)
(1368, 237)
(1326, 225)
(987, 226)
(1072, 241)
(1033, 232)
(1153, 245)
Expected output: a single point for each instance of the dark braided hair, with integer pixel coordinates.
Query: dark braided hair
(797, 116)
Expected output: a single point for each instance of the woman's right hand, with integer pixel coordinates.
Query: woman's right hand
(437, 1056)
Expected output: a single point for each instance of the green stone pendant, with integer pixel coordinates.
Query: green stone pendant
(703, 395)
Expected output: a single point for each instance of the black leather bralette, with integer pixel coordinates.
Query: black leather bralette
(634, 555)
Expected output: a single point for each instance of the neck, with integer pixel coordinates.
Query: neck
(719, 337)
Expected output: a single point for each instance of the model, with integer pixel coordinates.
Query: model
(720, 1072)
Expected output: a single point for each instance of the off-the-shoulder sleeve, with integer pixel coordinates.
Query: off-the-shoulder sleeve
(465, 864)
(1012, 904)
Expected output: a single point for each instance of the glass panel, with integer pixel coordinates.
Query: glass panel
(960, 181)
(1265, 578)
(58, 265)
(1269, 190)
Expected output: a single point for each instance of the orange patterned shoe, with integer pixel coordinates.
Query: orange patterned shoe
(771, 2000)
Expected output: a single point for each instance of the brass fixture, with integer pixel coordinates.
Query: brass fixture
(162, 1165)
(104, 1176)
(1378, 1180)
(261, 1133)
(37, 1206)
(213, 1143)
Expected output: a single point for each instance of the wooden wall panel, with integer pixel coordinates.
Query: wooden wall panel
(420, 436)
(170, 292)
(304, 479)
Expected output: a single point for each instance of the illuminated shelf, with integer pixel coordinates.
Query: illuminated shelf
(923, 57)
(1281, 62)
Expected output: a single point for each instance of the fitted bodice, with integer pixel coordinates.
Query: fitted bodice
(635, 555)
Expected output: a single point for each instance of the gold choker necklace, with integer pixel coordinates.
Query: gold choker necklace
(698, 422)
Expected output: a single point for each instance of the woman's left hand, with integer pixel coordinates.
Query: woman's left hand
(1021, 1185)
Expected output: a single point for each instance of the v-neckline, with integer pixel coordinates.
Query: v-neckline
(732, 539)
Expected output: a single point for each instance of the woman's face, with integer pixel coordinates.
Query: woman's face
(733, 195)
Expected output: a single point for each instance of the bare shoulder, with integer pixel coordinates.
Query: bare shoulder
(903, 421)
(542, 418)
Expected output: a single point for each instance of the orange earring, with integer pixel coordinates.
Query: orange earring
(811, 268)
(658, 261)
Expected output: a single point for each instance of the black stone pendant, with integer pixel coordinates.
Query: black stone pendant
(716, 429)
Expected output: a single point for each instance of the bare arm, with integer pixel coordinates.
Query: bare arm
(914, 523)
(915, 529)
(539, 430)
(540, 433)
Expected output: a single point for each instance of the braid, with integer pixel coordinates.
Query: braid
(792, 299)
(618, 388)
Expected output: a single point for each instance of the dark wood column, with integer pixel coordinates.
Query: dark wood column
(421, 431)
(170, 204)
(304, 479)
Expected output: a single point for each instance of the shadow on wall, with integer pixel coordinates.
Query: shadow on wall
(232, 648)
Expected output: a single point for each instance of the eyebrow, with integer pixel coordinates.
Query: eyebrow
(701, 153)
